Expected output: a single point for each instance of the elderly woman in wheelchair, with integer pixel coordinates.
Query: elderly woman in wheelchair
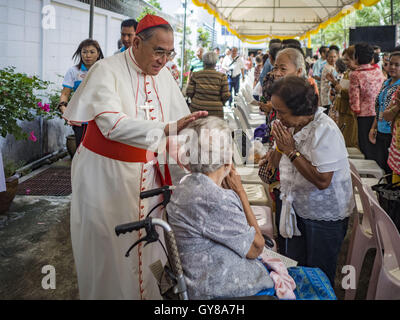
(213, 239)
(217, 234)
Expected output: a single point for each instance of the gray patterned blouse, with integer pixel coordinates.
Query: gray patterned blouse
(213, 238)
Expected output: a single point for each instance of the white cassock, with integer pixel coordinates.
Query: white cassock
(126, 105)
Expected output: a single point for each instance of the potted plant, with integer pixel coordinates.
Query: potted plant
(54, 100)
(10, 173)
(20, 100)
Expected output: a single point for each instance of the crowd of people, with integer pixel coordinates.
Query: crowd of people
(314, 107)
(355, 87)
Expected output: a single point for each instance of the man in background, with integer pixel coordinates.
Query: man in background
(320, 63)
(128, 32)
(197, 63)
(233, 65)
(267, 65)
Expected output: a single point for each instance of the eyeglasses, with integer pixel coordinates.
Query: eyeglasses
(159, 53)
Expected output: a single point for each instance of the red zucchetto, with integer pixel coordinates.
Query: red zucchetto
(150, 21)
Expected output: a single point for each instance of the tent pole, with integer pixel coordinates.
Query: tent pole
(391, 12)
(213, 37)
(183, 46)
(91, 19)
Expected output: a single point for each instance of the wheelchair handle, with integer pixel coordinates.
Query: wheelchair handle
(132, 226)
(155, 192)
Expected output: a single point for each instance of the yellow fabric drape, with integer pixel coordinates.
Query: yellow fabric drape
(211, 9)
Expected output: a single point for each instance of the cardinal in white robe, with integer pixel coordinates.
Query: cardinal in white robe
(127, 99)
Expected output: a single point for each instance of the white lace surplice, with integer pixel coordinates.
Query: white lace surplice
(321, 143)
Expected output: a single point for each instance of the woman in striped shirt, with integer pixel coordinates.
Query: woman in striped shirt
(392, 114)
(208, 89)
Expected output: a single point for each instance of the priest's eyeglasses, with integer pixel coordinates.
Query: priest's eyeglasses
(161, 53)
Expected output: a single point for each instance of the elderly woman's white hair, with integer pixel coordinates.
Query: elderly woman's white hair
(207, 145)
(297, 59)
(210, 59)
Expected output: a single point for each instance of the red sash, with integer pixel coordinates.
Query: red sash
(97, 143)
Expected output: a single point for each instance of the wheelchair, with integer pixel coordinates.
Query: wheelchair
(170, 278)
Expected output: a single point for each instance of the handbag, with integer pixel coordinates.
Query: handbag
(229, 73)
(268, 176)
(389, 199)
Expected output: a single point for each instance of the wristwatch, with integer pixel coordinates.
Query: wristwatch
(294, 156)
(63, 103)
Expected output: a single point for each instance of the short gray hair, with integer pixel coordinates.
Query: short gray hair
(207, 144)
(297, 58)
(210, 59)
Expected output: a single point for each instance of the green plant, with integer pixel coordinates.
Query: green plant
(338, 33)
(20, 100)
(188, 55)
(11, 166)
(203, 38)
(155, 4)
(145, 11)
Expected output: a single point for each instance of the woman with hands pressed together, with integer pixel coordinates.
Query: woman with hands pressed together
(316, 189)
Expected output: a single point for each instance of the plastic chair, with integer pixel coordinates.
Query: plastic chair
(248, 111)
(249, 175)
(251, 123)
(256, 194)
(355, 153)
(252, 110)
(368, 167)
(362, 237)
(265, 221)
(385, 277)
(367, 181)
(251, 107)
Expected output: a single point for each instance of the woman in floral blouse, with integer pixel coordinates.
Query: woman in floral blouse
(365, 84)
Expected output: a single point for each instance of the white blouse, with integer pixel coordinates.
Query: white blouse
(321, 143)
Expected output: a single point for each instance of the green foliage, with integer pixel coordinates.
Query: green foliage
(19, 99)
(145, 11)
(203, 38)
(10, 167)
(189, 53)
(155, 4)
(338, 33)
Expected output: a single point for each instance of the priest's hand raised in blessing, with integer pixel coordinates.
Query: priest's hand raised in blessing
(175, 127)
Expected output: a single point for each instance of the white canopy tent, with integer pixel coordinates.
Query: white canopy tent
(255, 21)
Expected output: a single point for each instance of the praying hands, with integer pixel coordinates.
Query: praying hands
(284, 139)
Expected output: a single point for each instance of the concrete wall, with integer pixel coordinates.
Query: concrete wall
(47, 53)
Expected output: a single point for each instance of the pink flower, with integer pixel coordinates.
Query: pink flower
(32, 136)
(46, 107)
(40, 105)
